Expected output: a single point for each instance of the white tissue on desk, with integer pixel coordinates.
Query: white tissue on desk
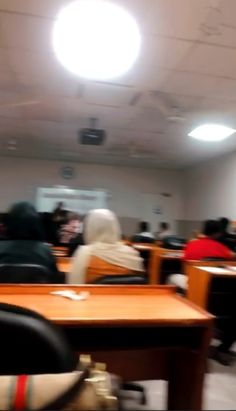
(83, 295)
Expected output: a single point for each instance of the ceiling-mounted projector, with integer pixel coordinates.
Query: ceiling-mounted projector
(92, 135)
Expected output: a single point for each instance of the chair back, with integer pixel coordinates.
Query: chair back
(30, 344)
(128, 279)
(173, 243)
(24, 274)
(99, 268)
(138, 238)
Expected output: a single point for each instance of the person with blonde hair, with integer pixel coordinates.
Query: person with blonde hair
(102, 236)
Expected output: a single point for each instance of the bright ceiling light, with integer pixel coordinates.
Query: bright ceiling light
(211, 132)
(96, 39)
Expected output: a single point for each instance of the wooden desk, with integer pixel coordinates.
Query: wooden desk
(159, 255)
(151, 268)
(59, 251)
(140, 332)
(63, 264)
(200, 278)
(223, 263)
(144, 246)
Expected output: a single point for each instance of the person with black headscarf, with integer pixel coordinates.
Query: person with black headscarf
(24, 243)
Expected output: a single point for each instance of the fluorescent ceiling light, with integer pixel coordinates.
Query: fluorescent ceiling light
(211, 132)
(96, 39)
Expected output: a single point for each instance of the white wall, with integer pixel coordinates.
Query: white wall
(19, 179)
(210, 189)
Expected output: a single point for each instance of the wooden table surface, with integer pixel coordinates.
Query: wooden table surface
(107, 305)
(223, 271)
(64, 264)
(140, 332)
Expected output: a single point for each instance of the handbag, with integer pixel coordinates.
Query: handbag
(88, 388)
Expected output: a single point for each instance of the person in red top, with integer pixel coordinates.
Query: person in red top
(208, 246)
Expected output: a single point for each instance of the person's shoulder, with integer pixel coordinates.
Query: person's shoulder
(223, 246)
(44, 247)
(5, 244)
(80, 250)
(129, 249)
(151, 235)
(195, 242)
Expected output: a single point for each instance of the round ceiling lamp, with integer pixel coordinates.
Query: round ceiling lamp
(96, 39)
(212, 132)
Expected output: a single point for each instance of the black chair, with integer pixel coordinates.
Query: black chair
(24, 274)
(173, 243)
(128, 279)
(30, 344)
(221, 299)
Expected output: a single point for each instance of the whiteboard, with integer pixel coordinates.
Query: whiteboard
(76, 200)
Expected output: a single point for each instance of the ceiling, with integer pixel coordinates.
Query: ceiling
(185, 75)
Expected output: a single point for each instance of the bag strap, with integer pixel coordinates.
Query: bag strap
(19, 403)
(63, 399)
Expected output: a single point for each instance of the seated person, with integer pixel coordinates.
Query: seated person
(70, 229)
(104, 249)
(144, 234)
(226, 238)
(74, 243)
(71, 233)
(205, 247)
(24, 244)
(58, 218)
(164, 231)
(208, 246)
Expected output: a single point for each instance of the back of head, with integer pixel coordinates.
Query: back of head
(164, 226)
(224, 224)
(144, 227)
(59, 206)
(212, 228)
(23, 223)
(102, 226)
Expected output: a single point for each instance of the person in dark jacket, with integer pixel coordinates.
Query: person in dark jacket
(24, 244)
(226, 238)
(144, 234)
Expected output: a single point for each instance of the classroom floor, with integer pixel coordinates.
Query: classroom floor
(219, 393)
